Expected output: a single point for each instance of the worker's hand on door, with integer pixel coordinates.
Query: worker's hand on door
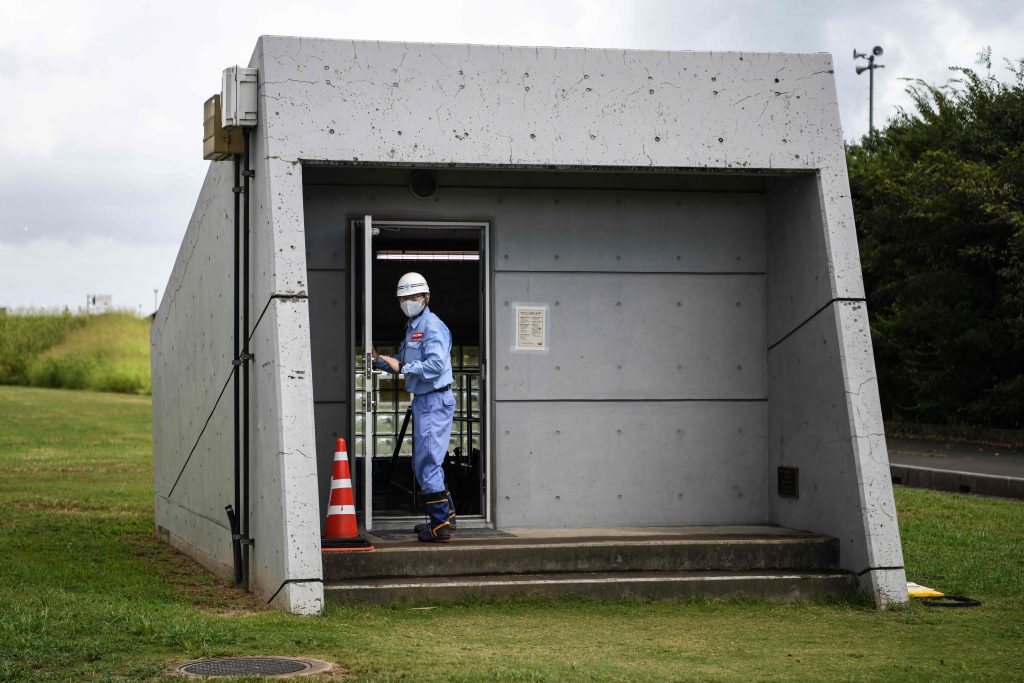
(392, 363)
(373, 352)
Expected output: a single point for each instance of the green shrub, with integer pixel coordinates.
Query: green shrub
(120, 380)
(105, 352)
(938, 194)
(61, 372)
(24, 337)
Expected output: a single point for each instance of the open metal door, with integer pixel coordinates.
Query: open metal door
(370, 406)
(368, 426)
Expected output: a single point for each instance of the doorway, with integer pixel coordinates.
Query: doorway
(452, 256)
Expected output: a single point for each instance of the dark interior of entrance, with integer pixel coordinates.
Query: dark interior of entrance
(449, 259)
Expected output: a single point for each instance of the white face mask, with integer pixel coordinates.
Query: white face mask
(412, 307)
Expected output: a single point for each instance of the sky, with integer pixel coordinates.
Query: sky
(101, 102)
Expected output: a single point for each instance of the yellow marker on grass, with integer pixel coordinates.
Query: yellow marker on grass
(916, 590)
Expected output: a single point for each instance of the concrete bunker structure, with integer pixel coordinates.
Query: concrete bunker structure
(648, 261)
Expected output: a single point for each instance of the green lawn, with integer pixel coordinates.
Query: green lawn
(87, 593)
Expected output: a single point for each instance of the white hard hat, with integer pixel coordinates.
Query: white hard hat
(412, 283)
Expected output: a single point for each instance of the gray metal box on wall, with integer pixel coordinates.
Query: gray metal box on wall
(701, 328)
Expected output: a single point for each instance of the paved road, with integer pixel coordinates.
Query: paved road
(957, 457)
(960, 468)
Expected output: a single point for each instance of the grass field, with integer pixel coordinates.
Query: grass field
(103, 352)
(87, 593)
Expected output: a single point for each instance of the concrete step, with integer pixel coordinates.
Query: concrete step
(778, 586)
(664, 549)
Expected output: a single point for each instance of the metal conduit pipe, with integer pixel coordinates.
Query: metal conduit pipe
(232, 511)
(245, 358)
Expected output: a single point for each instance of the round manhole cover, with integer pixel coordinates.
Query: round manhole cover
(277, 667)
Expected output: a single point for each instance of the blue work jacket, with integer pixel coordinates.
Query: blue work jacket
(425, 354)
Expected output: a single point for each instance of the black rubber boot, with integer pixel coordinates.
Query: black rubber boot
(451, 512)
(438, 529)
(452, 526)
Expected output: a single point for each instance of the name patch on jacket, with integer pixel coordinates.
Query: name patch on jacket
(416, 336)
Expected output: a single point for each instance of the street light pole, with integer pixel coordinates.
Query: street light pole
(876, 51)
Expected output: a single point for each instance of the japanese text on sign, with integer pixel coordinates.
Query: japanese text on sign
(530, 324)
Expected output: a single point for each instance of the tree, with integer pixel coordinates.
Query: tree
(938, 196)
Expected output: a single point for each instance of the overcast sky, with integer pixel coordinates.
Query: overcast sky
(101, 102)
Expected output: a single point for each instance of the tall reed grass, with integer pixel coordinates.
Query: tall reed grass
(104, 352)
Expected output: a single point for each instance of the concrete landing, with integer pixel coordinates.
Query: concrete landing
(758, 561)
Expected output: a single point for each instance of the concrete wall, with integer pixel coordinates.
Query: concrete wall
(823, 409)
(648, 407)
(327, 260)
(372, 104)
(191, 349)
(285, 514)
(655, 382)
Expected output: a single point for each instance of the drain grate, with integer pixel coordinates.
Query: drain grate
(254, 666)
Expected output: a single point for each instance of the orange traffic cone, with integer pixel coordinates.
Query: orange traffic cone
(342, 532)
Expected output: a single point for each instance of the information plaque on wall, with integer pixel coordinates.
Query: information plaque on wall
(531, 327)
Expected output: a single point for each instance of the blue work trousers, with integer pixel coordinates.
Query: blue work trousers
(431, 432)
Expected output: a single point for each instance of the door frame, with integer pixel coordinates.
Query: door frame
(370, 225)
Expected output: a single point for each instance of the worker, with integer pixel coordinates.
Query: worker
(424, 357)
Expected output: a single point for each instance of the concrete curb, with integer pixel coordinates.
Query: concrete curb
(957, 482)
